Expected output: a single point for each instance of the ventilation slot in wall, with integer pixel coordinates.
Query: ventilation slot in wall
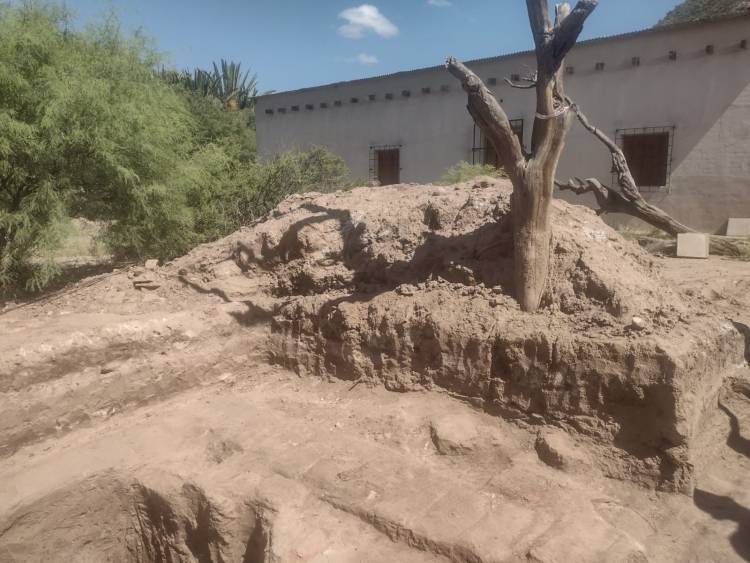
(673, 55)
(372, 97)
(269, 112)
(354, 100)
(636, 61)
(323, 105)
(389, 96)
(406, 93)
(309, 107)
(600, 66)
(710, 50)
(426, 90)
(492, 81)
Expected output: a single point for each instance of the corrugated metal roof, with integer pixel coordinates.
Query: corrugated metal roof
(604, 39)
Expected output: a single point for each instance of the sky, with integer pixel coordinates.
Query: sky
(294, 44)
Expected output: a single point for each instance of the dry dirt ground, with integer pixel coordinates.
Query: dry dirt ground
(177, 414)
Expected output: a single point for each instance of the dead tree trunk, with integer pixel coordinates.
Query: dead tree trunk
(533, 175)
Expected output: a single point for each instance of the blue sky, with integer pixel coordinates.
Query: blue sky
(298, 43)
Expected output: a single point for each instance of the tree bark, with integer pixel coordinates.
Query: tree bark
(533, 175)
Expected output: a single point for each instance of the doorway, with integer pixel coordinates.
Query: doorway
(386, 165)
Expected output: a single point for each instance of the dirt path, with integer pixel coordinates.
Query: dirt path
(148, 425)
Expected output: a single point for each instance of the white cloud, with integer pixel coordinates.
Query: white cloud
(439, 3)
(362, 59)
(365, 59)
(366, 18)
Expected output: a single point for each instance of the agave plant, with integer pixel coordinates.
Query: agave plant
(226, 83)
(235, 90)
(204, 83)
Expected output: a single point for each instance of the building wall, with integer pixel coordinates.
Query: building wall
(705, 97)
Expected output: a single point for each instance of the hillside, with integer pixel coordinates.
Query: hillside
(697, 10)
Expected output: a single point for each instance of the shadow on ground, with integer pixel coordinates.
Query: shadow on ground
(726, 508)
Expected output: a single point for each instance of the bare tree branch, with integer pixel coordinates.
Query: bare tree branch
(541, 27)
(490, 117)
(568, 28)
(629, 199)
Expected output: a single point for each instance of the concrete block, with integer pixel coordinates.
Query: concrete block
(693, 245)
(738, 228)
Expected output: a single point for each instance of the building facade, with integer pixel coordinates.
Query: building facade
(677, 99)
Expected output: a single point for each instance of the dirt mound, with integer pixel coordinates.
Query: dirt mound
(142, 419)
(411, 286)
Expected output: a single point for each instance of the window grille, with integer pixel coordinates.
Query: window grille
(390, 155)
(648, 151)
(483, 153)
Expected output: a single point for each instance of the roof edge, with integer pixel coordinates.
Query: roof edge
(648, 31)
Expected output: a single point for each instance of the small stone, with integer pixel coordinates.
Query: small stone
(536, 419)
(228, 377)
(494, 302)
(152, 264)
(405, 290)
(638, 323)
(557, 449)
(136, 272)
(146, 283)
(454, 434)
(497, 290)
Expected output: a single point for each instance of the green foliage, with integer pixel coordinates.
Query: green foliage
(697, 10)
(234, 89)
(88, 129)
(465, 171)
(84, 126)
(212, 194)
(225, 83)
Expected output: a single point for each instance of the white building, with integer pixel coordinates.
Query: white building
(677, 99)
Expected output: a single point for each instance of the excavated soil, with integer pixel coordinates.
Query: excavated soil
(351, 380)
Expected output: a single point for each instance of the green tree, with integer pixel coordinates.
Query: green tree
(88, 129)
(84, 125)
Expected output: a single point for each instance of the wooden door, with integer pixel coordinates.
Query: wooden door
(389, 166)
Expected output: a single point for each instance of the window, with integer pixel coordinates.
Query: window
(484, 153)
(385, 164)
(649, 155)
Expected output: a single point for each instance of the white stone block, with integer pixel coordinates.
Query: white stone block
(693, 245)
(738, 228)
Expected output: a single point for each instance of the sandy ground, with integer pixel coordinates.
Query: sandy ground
(148, 425)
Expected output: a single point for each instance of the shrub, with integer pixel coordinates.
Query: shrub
(88, 129)
(84, 126)
(465, 171)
